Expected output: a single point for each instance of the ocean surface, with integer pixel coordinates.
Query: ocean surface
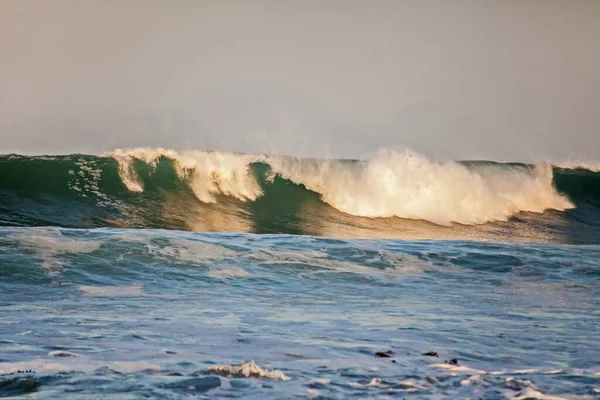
(153, 273)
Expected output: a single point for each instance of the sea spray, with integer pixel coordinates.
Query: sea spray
(393, 184)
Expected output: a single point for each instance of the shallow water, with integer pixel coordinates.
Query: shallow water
(129, 314)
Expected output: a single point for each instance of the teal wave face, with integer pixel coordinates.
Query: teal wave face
(245, 193)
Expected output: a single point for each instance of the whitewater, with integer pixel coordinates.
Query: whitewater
(161, 273)
(405, 184)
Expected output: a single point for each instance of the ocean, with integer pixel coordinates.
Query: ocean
(154, 273)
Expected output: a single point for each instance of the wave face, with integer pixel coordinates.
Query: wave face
(395, 194)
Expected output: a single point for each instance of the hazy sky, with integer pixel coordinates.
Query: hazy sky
(505, 80)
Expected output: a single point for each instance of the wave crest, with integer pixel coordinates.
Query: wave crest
(392, 184)
(584, 165)
(207, 173)
(408, 185)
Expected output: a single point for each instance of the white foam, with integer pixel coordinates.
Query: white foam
(458, 369)
(529, 394)
(112, 291)
(321, 381)
(208, 173)
(411, 386)
(225, 273)
(192, 250)
(408, 264)
(514, 383)
(401, 264)
(392, 184)
(248, 369)
(553, 372)
(49, 244)
(355, 385)
(472, 380)
(86, 182)
(375, 382)
(525, 371)
(408, 185)
(137, 237)
(127, 174)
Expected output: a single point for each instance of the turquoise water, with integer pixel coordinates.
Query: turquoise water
(130, 314)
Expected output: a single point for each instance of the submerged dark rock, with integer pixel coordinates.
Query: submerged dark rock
(25, 371)
(453, 361)
(384, 354)
(18, 386)
(430, 354)
(62, 354)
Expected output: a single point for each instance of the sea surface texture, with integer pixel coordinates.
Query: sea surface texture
(152, 273)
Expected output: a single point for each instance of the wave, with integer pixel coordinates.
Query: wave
(214, 191)
(581, 165)
(405, 185)
(408, 185)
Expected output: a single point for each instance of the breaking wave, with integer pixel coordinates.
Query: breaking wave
(404, 185)
(161, 188)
